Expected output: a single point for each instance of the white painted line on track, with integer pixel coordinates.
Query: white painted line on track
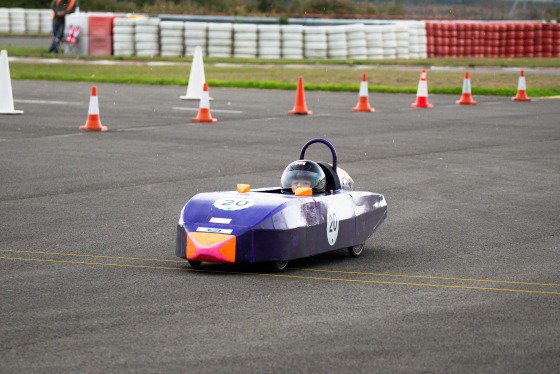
(48, 102)
(267, 119)
(211, 110)
(143, 128)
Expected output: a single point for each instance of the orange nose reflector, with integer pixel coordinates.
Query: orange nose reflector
(204, 246)
(304, 191)
(243, 188)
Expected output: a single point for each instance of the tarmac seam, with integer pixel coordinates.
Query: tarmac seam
(285, 276)
(302, 269)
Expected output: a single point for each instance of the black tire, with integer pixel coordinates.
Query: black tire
(356, 250)
(195, 264)
(280, 265)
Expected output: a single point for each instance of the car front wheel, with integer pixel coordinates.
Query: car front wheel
(280, 265)
(356, 250)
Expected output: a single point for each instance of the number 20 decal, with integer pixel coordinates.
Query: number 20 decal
(332, 225)
(234, 203)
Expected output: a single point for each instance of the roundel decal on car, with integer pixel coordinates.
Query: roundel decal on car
(332, 225)
(234, 203)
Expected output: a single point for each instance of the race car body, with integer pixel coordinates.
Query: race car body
(266, 225)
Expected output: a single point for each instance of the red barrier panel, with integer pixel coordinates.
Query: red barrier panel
(519, 30)
(546, 30)
(547, 40)
(448, 39)
(436, 29)
(451, 29)
(555, 50)
(555, 30)
(100, 25)
(100, 31)
(538, 31)
(467, 31)
(429, 29)
(502, 29)
(100, 45)
(546, 46)
(452, 51)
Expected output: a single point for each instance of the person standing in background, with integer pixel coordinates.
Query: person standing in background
(60, 8)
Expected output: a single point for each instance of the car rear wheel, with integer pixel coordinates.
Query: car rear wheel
(195, 264)
(280, 265)
(356, 250)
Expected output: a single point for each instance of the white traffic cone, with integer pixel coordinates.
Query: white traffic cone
(363, 100)
(93, 122)
(204, 115)
(196, 78)
(521, 89)
(6, 98)
(422, 92)
(466, 97)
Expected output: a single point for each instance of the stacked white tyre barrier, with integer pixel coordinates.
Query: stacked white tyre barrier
(172, 38)
(337, 42)
(292, 41)
(123, 37)
(17, 20)
(4, 20)
(220, 39)
(33, 21)
(270, 42)
(46, 20)
(417, 39)
(152, 37)
(196, 34)
(389, 42)
(401, 34)
(357, 44)
(146, 38)
(315, 42)
(374, 42)
(245, 40)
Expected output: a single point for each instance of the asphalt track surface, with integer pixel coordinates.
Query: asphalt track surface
(461, 278)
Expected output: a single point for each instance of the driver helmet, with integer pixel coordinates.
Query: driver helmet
(303, 173)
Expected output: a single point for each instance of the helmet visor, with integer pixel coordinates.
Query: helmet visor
(300, 178)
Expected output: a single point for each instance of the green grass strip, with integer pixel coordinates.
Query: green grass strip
(527, 62)
(271, 85)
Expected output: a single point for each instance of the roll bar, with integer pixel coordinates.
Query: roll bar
(318, 140)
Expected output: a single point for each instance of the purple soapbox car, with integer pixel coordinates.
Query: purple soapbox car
(271, 226)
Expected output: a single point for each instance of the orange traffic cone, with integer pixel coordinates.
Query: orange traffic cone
(422, 93)
(363, 101)
(466, 98)
(204, 108)
(521, 89)
(93, 123)
(300, 107)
